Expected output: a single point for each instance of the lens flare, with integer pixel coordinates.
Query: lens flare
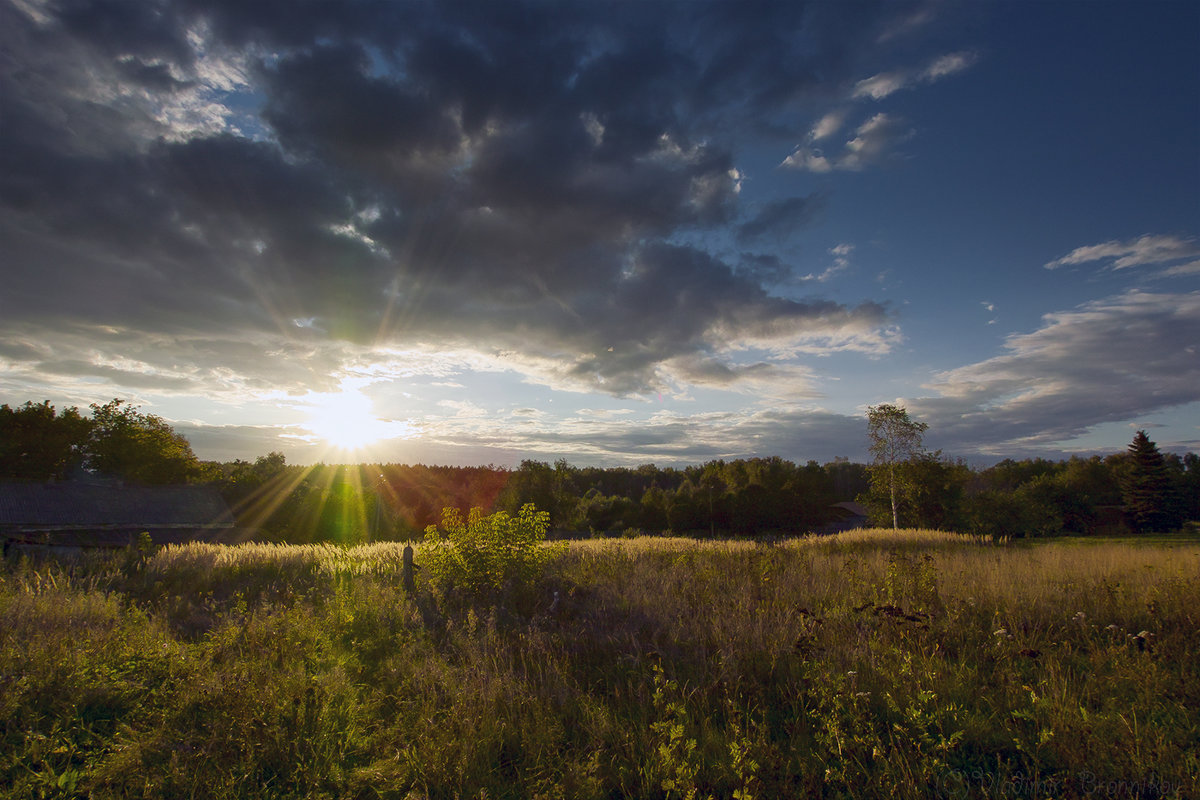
(345, 420)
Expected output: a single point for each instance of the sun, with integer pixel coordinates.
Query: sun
(345, 420)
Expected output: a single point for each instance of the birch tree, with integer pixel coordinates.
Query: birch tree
(894, 439)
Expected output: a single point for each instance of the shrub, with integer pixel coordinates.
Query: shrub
(484, 558)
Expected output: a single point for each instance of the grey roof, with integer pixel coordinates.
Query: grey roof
(75, 538)
(855, 509)
(83, 505)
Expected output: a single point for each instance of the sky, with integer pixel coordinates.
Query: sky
(611, 232)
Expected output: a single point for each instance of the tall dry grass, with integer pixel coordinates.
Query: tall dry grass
(868, 664)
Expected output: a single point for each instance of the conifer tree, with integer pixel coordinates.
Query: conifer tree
(1146, 490)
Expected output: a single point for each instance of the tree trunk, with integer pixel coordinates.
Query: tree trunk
(895, 513)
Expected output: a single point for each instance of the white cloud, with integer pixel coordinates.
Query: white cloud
(947, 65)
(841, 262)
(604, 413)
(880, 86)
(665, 436)
(594, 127)
(828, 125)
(36, 11)
(1192, 268)
(810, 159)
(872, 142)
(464, 409)
(907, 24)
(878, 133)
(1147, 249)
(884, 84)
(1105, 361)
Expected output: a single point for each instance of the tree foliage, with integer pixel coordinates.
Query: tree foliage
(894, 441)
(1146, 489)
(38, 443)
(137, 447)
(488, 557)
(744, 497)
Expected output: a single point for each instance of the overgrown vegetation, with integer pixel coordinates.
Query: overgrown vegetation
(867, 664)
(489, 557)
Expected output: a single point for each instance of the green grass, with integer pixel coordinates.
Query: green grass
(869, 664)
(1186, 536)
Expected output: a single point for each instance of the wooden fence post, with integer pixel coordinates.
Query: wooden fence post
(409, 586)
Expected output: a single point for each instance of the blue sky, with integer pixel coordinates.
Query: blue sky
(615, 233)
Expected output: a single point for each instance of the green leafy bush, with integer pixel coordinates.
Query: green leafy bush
(486, 557)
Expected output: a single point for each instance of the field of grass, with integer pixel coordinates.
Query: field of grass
(868, 664)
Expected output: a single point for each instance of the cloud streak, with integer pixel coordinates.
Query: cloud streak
(873, 143)
(875, 138)
(1106, 361)
(1147, 250)
(884, 84)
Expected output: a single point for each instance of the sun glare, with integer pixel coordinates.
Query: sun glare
(345, 420)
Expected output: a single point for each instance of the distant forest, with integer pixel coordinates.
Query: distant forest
(745, 497)
(1139, 490)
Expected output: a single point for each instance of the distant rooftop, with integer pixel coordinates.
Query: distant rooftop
(856, 509)
(39, 506)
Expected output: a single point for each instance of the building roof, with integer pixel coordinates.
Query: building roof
(855, 509)
(64, 506)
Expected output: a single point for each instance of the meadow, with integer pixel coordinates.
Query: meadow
(866, 664)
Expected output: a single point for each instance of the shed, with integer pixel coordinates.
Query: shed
(96, 514)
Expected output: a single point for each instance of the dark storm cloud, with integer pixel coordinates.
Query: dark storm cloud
(497, 175)
(323, 102)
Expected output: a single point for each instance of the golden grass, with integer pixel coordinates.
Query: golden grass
(869, 663)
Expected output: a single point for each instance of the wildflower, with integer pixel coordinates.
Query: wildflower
(1142, 640)
(1001, 632)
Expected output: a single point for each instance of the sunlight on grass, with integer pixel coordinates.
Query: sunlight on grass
(870, 663)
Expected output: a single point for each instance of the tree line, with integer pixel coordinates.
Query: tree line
(1141, 490)
(1138, 490)
(39, 443)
